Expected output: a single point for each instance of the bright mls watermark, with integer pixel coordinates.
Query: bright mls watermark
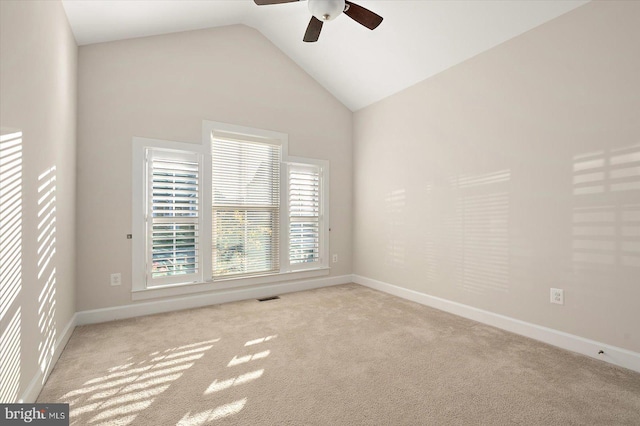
(36, 414)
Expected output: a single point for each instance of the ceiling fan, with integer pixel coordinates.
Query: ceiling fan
(327, 10)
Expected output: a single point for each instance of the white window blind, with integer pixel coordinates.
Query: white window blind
(245, 207)
(304, 215)
(173, 216)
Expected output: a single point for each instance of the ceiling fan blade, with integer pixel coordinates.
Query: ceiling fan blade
(313, 30)
(265, 2)
(362, 16)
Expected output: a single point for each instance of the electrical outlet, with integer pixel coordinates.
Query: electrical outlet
(334, 259)
(116, 279)
(557, 296)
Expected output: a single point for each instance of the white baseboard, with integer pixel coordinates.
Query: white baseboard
(37, 382)
(205, 299)
(612, 354)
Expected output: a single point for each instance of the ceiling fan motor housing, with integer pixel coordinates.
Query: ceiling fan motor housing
(326, 10)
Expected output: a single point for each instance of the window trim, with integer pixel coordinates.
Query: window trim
(151, 155)
(139, 289)
(323, 165)
(226, 146)
(139, 207)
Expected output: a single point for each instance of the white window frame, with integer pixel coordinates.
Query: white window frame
(141, 291)
(151, 155)
(139, 220)
(213, 130)
(323, 224)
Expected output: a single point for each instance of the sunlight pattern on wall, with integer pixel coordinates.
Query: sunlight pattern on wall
(11, 253)
(395, 203)
(630, 234)
(606, 236)
(594, 235)
(481, 231)
(607, 171)
(605, 225)
(432, 241)
(46, 268)
(10, 360)
(10, 220)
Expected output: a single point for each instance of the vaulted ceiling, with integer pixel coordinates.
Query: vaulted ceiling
(416, 40)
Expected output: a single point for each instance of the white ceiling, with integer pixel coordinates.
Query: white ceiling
(416, 40)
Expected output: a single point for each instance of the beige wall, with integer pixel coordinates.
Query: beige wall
(488, 184)
(514, 172)
(38, 62)
(163, 87)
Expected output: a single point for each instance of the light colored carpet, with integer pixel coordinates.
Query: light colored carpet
(343, 355)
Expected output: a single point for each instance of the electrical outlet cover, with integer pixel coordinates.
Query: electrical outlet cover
(116, 279)
(557, 296)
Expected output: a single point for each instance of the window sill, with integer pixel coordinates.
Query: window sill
(224, 284)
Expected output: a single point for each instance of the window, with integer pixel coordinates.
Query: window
(173, 216)
(246, 207)
(235, 210)
(305, 215)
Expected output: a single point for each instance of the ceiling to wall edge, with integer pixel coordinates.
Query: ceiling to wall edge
(352, 100)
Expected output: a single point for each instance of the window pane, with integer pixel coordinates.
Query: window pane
(245, 242)
(245, 173)
(174, 249)
(304, 242)
(174, 188)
